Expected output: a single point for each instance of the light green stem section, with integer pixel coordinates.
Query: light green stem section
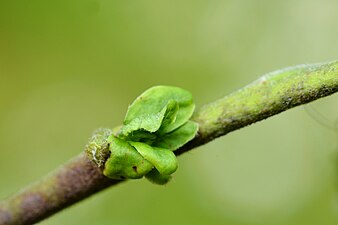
(271, 94)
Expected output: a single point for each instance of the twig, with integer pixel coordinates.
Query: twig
(268, 96)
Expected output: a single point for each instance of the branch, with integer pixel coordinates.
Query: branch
(268, 96)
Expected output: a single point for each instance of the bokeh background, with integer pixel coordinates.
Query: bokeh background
(68, 67)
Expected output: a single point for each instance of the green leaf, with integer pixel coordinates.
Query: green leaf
(146, 122)
(143, 128)
(178, 137)
(141, 136)
(169, 116)
(155, 177)
(155, 99)
(125, 161)
(164, 160)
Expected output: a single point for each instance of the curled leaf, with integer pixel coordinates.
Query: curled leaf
(164, 160)
(155, 177)
(170, 115)
(125, 162)
(178, 137)
(145, 122)
(155, 99)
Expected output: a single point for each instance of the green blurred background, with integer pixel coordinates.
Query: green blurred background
(68, 67)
